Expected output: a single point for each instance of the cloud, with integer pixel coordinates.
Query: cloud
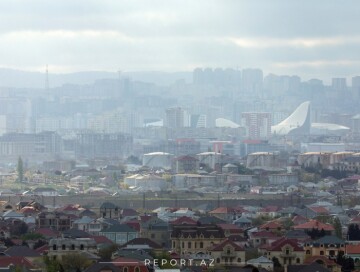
(179, 35)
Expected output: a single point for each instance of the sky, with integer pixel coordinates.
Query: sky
(313, 39)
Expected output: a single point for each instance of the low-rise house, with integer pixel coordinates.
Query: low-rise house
(270, 211)
(272, 226)
(226, 213)
(10, 214)
(53, 220)
(156, 230)
(120, 264)
(227, 253)
(315, 224)
(119, 234)
(13, 262)
(109, 210)
(189, 239)
(230, 229)
(263, 237)
(353, 251)
(307, 268)
(88, 224)
(243, 222)
(40, 191)
(261, 262)
(143, 244)
(185, 164)
(328, 246)
(287, 251)
(62, 246)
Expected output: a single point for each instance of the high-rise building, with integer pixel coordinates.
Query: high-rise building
(355, 86)
(257, 124)
(176, 118)
(339, 84)
(252, 81)
(198, 121)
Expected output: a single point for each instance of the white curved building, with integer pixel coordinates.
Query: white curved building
(158, 159)
(297, 123)
(222, 122)
(261, 160)
(325, 128)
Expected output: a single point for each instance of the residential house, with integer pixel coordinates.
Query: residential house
(188, 239)
(243, 222)
(328, 246)
(53, 220)
(227, 252)
(119, 234)
(353, 251)
(269, 211)
(109, 210)
(185, 164)
(87, 224)
(62, 246)
(262, 262)
(272, 226)
(143, 244)
(227, 214)
(307, 268)
(40, 191)
(156, 230)
(287, 251)
(315, 224)
(120, 264)
(263, 237)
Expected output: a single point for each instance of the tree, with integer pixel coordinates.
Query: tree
(20, 170)
(353, 232)
(74, 262)
(19, 229)
(337, 226)
(52, 265)
(105, 253)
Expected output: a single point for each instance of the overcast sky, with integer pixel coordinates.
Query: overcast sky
(309, 38)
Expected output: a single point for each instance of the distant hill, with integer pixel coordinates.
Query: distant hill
(25, 79)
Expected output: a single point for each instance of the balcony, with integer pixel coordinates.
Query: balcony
(228, 254)
(288, 255)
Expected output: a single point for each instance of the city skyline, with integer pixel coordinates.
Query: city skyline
(312, 40)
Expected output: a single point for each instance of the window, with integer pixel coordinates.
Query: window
(239, 260)
(307, 252)
(297, 260)
(54, 247)
(152, 235)
(201, 245)
(321, 253)
(137, 269)
(189, 244)
(218, 260)
(72, 247)
(63, 247)
(125, 269)
(287, 251)
(81, 247)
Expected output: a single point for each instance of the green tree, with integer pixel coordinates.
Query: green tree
(74, 262)
(337, 226)
(19, 229)
(20, 169)
(52, 265)
(105, 253)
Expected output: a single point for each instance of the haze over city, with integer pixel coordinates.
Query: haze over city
(308, 38)
(196, 136)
